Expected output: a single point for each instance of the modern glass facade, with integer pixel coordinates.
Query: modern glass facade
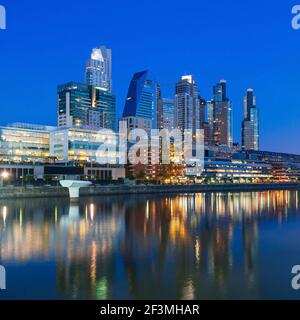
(98, 71)
(24, 144)
(222, 115)
(166, 114)
(141, 99)
(72, 145)
(250, 124)
(222, 168)
(187, 104)
(87, 107)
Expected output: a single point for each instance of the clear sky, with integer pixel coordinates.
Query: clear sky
(248, 43)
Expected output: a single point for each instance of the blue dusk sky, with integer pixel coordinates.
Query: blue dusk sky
(248, 43)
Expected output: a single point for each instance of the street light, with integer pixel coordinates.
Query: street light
(4, 175)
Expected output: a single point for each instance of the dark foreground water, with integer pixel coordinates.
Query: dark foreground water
(191, 246)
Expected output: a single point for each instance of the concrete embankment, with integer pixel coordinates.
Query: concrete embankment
(48, 192)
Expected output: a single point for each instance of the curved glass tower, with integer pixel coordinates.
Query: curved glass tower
(141, 99)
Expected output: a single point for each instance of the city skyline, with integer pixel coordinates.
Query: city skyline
(240, 66)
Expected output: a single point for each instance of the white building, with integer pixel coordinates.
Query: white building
(187, 104)
(98, 71)
(71, 145)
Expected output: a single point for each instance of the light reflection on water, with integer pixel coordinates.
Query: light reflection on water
(192, 246)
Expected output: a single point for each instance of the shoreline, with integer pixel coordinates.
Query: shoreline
(54, 192)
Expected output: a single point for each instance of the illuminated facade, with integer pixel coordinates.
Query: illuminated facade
(221, 109)
(285, 167)
(166, 114)
(98, 72)
(140, 112)
(241, 169)
(250, 124)
(187, 104)
(78, 145)
(24, 143)
(87, 107)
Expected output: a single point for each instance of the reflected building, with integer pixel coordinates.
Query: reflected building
(187, 246)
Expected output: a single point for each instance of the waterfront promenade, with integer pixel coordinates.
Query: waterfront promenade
(12, 192)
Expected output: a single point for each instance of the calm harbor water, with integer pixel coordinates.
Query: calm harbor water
(188, 246)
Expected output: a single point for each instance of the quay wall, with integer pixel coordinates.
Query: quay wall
(10, 192)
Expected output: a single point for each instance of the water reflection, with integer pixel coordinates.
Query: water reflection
(192, 246)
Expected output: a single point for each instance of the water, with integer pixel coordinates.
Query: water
(189, 246)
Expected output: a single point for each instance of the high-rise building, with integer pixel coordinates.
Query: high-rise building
(203, 104)
(141, 101)
(210, 122)
(159, 105)
(140, 112)
(166, 114)
(165, 111)
(98, 72)
(187, 104)
(250, 124)
(222, 115)
(84, 106)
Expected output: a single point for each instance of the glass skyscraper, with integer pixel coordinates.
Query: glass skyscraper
(166, 113)
(141, 101)
(98, 71)
(250, 124)
(187, 104)
(222, 115)
(84, 106)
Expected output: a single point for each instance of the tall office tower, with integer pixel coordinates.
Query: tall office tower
(187, 104)
(166, 114)
(165, 111)
(203, 104)
(141, 104)
(210, 114)
(98, 72)
(209, 124)
(140, 112)
(250, 124)
(159, 104)
(84, 106)
(222, 115)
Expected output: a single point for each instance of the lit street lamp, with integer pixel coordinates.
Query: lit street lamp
(4, 175)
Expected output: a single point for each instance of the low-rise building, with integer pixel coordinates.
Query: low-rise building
(236, 169)
(79, 145)
(34, 152)
(24, 143)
